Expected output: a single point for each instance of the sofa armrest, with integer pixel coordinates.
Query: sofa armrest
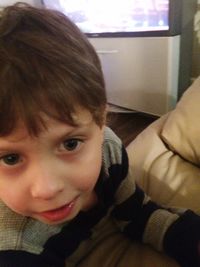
(164, 175)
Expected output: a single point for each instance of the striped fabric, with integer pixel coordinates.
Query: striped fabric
(122, 207)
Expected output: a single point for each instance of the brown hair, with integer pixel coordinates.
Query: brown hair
(46, 65)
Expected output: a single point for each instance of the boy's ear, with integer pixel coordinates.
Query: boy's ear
(107, 109)
(104, 121)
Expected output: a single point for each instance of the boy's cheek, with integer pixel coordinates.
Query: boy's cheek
(14, 206)
(87, 180)
(15, 203)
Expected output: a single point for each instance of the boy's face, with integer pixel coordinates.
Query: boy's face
(51, 177)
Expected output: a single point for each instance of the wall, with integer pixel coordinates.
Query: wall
(196, 44)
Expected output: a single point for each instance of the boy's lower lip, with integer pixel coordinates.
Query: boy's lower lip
(58, 214)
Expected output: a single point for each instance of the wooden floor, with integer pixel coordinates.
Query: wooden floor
(128, 125)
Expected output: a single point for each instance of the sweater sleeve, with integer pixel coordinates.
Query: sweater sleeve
(139, 217)
(10, 258)
(175, 232)
(182, 240)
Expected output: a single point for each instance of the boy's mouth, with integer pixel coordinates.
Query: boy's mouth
(59, 214)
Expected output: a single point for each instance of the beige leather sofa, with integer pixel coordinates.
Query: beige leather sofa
(165, 157)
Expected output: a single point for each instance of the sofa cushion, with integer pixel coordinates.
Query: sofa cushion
(164, 175)
(181, 131)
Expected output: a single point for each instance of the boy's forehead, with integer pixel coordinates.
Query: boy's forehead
(82, 119)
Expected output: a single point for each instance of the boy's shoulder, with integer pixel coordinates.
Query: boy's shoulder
(110, 136)
(112, 142)
(114, 152)
(23, 233)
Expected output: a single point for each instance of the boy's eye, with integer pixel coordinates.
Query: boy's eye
(11, 159)
(71, 144)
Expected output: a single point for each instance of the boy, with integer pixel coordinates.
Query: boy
(65, 186)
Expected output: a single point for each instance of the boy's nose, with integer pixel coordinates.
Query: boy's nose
(46, 186)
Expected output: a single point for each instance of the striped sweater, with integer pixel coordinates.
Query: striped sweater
(122, 204)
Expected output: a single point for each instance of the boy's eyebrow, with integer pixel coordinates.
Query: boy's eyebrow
(74, 130)
(82, 119)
